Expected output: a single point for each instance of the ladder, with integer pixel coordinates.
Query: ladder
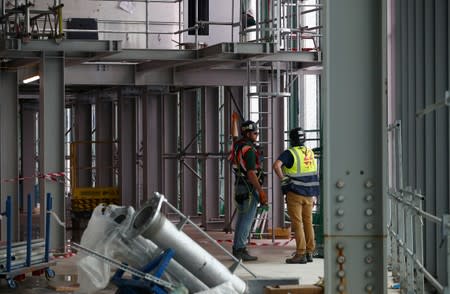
(278, 22)
(267, 82)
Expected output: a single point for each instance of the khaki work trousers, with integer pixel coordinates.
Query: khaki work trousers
(300, 211)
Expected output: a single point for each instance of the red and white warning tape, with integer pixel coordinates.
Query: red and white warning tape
(52, 176)
(277, 243)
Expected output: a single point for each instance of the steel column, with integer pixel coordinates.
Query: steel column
(127, 150)
(8, 149)
(228, 175)
(83, 139)
(442, 132)
(104, 133)
(409, 102)
(152, 134)
(420, 92)
(28, 153)
(430, 149)
(169, 145)
(353, 189)
(51, 141)
(188, 143)
(278, 140)
(210, 165)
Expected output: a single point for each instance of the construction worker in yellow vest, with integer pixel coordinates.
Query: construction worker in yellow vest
(296, 168)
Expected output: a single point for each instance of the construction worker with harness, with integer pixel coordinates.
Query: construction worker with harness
(296, 167)
(246, 161)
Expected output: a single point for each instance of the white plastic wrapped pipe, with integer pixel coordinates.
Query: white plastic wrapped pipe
(108, 234)
(151, 224)
(138, 251)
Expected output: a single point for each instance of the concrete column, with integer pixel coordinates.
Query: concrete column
(51, 141)
(104, 134)
(152, 143)
(8, 149)
(127, 150)
(83, 141)
(210, 164)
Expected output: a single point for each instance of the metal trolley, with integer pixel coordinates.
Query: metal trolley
(19, 258)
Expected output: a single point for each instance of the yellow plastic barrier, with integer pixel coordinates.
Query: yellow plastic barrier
(86, 199)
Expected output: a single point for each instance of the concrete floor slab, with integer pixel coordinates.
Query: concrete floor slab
(269, 266)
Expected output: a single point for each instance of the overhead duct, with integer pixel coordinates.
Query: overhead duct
(150, 223)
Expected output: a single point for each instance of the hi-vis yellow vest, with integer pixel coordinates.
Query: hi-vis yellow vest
(304, 163)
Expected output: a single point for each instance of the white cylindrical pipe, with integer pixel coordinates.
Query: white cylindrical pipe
(115, 242)
(138, 251)
(151, 224)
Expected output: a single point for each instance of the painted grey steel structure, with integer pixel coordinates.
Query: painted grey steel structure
(418, 87)
(355, 182)
(51, 134)
(9, 145)
(354, 148)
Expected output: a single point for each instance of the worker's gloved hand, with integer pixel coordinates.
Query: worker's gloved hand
(262, 197)
(285, 183)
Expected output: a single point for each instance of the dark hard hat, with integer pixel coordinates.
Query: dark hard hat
(248, 126)
(297, 136)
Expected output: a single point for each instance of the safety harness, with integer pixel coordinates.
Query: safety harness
(237, 158)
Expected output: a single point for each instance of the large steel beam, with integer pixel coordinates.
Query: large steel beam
(354, 147)
(51, 140)
(70, 46)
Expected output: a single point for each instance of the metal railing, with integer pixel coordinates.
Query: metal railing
(23, 21)
(405, 228)
(279, 22)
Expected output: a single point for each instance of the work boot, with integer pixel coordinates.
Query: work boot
(297, 258)
(242, 254)
(309, 257)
